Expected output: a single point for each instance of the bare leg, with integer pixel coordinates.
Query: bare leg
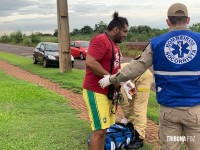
(97, 139)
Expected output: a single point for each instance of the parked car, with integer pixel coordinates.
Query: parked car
(48, 54)
(79, 48)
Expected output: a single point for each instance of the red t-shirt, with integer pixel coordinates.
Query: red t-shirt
(101, 49)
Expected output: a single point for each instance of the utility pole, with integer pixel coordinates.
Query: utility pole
(63, 36)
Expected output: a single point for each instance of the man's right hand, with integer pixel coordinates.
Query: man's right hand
(104, 82)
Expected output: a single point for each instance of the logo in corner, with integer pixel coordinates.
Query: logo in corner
(180, 49)
(104, 119)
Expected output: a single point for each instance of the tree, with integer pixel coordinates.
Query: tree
(17, 37)
(195, 27)
(86, 30)
(5, 38)
(55, 33)
(100, 27)
(35, 38)
(74, 32)
(143, 29)
(38, 33)
(133, 29)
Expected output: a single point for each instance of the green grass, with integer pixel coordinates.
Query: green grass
(49, 39)
(153, 108)
(32, 117)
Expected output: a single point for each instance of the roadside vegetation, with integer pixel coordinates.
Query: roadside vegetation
(141, 33)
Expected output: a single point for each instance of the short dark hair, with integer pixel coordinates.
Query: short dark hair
(177, 19)
(117, 22)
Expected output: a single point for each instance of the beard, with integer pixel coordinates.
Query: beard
(118, 38)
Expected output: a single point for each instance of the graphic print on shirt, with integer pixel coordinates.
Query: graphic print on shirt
(180, 49)
(117, 61)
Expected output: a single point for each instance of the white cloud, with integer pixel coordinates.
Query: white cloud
(40, 15)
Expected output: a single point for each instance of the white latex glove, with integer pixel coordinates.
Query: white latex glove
(124, 121)
(104, 82)
(129, 89)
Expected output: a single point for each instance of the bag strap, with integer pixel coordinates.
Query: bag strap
(114, 102)
(112, 59)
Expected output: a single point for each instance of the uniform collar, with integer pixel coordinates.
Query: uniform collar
(179, 28)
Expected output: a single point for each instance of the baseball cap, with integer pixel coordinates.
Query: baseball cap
(177, 9)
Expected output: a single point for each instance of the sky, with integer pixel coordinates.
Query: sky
(41, 15)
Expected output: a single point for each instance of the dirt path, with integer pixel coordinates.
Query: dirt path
(75, 100)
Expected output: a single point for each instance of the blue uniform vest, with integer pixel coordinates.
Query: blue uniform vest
(176, 62)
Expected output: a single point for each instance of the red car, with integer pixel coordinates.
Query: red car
(79, 48)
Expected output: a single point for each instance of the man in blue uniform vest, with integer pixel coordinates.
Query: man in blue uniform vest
(175, 57)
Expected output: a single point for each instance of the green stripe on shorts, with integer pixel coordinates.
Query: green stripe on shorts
(94, 110)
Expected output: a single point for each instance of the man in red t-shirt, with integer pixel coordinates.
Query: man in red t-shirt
(98, 63)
